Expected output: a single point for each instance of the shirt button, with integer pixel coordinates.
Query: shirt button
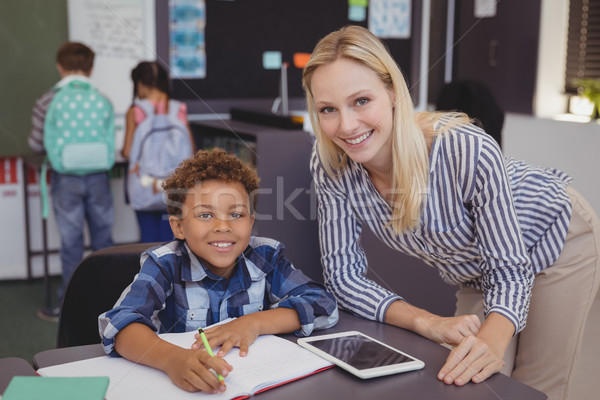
(192, 315)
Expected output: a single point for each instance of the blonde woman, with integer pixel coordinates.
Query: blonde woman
(520, 242)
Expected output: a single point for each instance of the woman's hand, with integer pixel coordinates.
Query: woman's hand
(477, 357)
(473, 359)
(449, 330)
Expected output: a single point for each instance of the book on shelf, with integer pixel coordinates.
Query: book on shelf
(271, 361)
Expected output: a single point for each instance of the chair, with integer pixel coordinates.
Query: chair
(476, 100)
(96, 285)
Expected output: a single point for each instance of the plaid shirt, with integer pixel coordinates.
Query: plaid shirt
(174, 292)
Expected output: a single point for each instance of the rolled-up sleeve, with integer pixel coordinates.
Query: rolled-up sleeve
(291, 288)
(139, 302)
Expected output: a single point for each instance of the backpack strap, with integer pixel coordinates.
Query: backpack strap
(146, 106)
(174, 106)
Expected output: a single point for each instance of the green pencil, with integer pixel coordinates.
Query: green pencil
(209, 350)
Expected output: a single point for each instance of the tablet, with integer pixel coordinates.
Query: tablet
(360, 354)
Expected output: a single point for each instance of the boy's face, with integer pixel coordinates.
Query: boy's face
(216, 223)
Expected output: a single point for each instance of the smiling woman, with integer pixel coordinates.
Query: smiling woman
(355, 111)
(435, 186)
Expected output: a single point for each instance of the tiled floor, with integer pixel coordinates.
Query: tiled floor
(585, 386)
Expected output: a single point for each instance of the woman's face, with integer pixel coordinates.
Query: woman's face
(355, 111)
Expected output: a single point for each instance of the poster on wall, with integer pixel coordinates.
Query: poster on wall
(390, 19)
(187, 19)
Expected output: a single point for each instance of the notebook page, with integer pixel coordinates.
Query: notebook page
(270, 360)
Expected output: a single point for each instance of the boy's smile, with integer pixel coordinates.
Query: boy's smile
(216, 223)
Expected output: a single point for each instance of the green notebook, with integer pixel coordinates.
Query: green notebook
(56, 388)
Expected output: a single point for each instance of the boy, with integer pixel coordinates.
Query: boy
(76, 197)
(214, 270)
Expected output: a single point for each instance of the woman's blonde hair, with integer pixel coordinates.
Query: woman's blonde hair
(410, 157)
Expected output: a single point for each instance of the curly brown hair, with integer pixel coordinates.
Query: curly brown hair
(204, 165)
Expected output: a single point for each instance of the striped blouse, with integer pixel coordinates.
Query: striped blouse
(488, 222)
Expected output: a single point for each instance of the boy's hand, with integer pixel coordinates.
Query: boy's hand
(241, 332)
(189, 369)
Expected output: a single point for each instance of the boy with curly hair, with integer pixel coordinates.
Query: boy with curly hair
(214, 270)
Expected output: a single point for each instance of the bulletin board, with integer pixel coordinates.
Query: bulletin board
(238, 32)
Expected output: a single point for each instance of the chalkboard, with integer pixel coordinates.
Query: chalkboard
(30, 33)
(238, 32)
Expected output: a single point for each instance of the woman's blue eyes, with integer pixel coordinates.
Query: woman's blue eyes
(359, 102)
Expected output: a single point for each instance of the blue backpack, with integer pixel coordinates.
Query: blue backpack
(79, 130)
(160, 143)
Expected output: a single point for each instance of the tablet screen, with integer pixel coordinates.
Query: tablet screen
(360, 352)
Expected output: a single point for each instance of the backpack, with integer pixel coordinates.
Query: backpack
(160, 143)
(79, 130)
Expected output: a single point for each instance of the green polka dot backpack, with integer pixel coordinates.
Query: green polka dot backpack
(79, 130)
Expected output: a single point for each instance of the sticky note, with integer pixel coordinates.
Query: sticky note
(362, 3)
(357, 13)
(272, 60)
(300, 59)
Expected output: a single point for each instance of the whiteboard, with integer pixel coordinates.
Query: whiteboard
(122, 33)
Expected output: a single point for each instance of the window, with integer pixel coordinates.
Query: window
(583, 43)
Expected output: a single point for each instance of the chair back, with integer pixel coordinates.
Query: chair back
(476, 100)
(95, 286)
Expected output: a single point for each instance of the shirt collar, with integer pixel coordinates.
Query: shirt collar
(197, 271)
(69, 78)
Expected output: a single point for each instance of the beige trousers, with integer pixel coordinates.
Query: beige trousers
(543, 355)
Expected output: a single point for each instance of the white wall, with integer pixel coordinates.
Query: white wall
(572, 147)
(549, 97)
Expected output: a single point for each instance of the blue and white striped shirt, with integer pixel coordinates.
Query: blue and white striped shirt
(488, 222)
(174, 292)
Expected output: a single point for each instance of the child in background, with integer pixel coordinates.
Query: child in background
(214, 270)
(151, 89)
(78, 198)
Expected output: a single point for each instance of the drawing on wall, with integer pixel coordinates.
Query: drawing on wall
(390, 18)
(187, 51)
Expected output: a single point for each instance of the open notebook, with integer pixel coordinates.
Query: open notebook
(271, 361)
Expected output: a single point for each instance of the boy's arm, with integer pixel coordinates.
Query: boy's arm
(187, 368)
(243, 331)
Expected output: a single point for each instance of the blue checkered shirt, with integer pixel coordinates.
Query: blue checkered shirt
(174, 292)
